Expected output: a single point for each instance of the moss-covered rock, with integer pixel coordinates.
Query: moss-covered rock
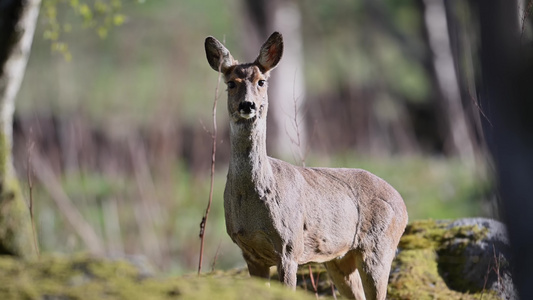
(463, 259)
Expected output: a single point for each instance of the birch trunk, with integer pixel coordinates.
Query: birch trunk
(17, 26)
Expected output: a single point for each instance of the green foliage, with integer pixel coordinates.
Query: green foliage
(99, 15)
(361, 50)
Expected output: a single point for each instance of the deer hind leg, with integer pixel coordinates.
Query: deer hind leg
(344, 274)
(374, 270)
(257, 269)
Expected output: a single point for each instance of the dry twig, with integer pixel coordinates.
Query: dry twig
(31, 144)
(213, 159)
(314, 282)
(215, 258)
(493, 268)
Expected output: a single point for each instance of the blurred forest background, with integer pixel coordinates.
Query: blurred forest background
(112, 121)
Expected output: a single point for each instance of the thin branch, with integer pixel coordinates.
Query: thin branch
(495, 269)
(213, 159)
(297, 141)
(30, 188)
(298, 138)
(215, 258)
(205, 128)
(476, 104)
(313, 283)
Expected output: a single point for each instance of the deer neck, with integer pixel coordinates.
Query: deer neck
(249, 163)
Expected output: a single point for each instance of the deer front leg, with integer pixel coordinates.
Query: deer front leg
(287, 269)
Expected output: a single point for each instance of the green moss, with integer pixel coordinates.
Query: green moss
(425, 247)
(85, 277)
(16, 235)
(421, 280)
(432, 234)
(452, 258)
(421, 235)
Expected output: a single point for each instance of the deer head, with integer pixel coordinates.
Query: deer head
(247, 83)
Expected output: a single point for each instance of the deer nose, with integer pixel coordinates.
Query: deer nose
(247, 107)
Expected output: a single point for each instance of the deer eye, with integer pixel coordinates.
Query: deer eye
(261, 82)
(231, 84)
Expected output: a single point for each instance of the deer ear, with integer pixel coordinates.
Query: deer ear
(218, 56)
(270, 53)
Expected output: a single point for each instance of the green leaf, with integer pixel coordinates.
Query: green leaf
(118, 19)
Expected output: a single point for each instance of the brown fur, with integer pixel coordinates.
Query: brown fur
(283, 215)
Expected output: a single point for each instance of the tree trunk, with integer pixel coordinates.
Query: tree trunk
(457, 130)
(17, 25)
(506, 97)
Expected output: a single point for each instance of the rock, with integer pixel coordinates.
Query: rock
(488, 256)
(462, 259)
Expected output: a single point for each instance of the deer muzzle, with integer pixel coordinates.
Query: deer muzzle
(247, 109)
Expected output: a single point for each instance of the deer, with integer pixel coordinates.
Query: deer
(284, 215)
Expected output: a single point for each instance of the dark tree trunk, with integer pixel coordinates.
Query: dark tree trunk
(506, 97)
(17, 25)
(456, 130)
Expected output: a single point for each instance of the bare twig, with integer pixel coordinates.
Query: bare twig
(475, 102)
(204, 127)
(495, 269)
(30, 188)
(213, 159)
(215, 258)
(313, 283)
(297, 141)
(497, 264)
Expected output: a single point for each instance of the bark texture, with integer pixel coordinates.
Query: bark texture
(17, 26)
